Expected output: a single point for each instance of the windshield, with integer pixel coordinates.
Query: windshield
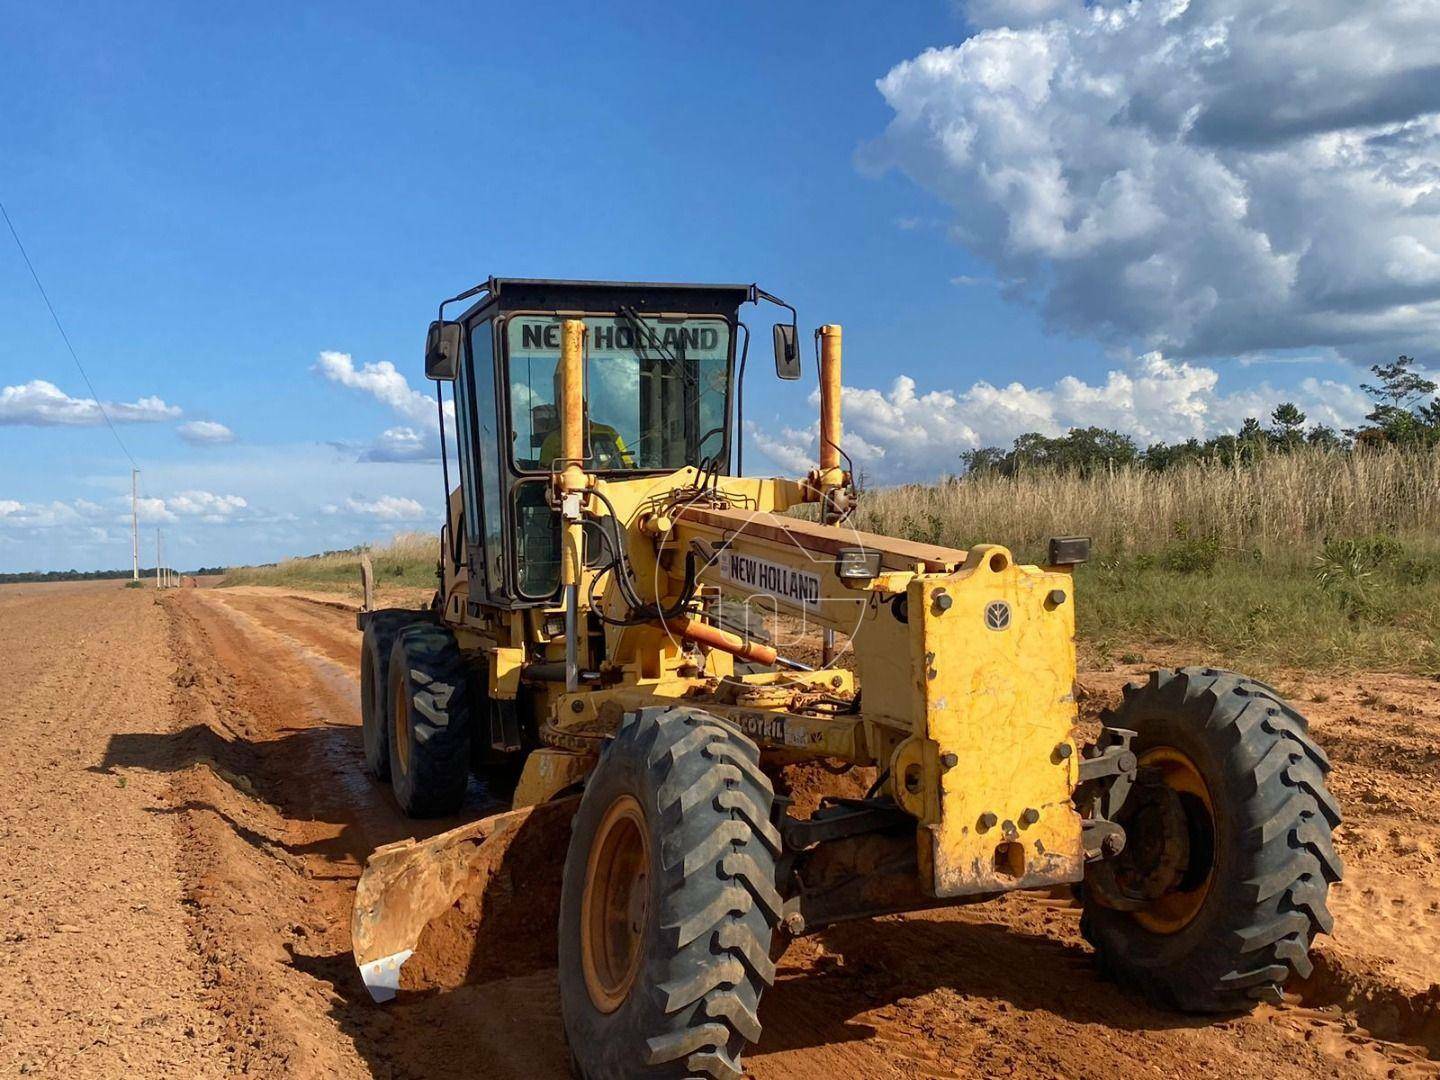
(656, 390)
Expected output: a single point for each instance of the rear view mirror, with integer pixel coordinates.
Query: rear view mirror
(442, 351)
(787, 355)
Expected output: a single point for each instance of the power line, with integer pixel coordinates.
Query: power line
(66, 337)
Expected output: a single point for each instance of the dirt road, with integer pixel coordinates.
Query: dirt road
(183, 816)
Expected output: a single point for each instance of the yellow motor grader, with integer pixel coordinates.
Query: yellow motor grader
(634, 637)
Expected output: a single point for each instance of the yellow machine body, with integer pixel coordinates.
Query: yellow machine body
(691, 636)
(949, 672)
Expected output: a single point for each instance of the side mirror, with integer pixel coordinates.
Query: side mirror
(442, 351)
(787, 355)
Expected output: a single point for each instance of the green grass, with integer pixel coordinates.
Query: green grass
(408, 561)
(1266, 612)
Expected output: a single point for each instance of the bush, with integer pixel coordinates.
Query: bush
(1192, 556)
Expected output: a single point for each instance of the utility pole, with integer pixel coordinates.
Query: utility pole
(135, 523)
(157, 558)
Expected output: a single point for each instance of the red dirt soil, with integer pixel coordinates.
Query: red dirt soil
(183, 816)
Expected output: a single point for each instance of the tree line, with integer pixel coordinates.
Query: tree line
(1405, 413)
(15, 578)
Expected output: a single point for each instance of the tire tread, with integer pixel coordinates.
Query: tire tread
(718, 904)
(1287, 844)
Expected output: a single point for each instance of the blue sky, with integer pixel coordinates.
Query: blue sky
(216, 197)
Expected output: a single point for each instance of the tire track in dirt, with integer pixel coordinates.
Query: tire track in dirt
(276, 819)
(279, 818)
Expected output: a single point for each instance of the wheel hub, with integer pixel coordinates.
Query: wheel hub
(1169, 861)
(615, 905)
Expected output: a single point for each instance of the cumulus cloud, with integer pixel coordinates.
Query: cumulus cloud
(1202, 177)
(381, 508)
(205, 505)
(43, 404)
(45, 515)
(416, 440)
(380, 380)
(205, 433)
(900, 434)
(201, 506)
(403, 444)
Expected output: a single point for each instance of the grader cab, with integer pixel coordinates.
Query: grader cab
(634, 638)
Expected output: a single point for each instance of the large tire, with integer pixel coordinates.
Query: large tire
(690, 868)
(1233, 938)
(429, 722)
(375, 646)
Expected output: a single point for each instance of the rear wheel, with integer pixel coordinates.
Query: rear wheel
(429, 722)
(379, 638)
(669, 902)
(1228, 858)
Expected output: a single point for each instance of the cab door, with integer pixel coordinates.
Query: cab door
(477, 416)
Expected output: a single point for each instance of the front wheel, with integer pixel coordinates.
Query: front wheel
(1228, 857)
(669, 903)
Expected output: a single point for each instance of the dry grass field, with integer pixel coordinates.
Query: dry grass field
(406, 561)
(1311, 560)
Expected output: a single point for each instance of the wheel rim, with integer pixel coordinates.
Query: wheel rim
(615, 905)
(401, 713)
(1177, 907)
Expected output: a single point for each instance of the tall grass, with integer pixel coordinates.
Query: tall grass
(1304, 560)
(1281, 501)
(407, 561)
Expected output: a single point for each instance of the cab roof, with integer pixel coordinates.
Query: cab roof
(558, 294)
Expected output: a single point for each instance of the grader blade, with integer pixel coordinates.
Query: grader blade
(479, 901)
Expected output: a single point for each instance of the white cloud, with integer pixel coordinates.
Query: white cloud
(153, 511)
(382, 381)
(45, 515)
(403, 444)
(1018, 13)
(206, 506)
(202, 506)
(900, 434)
(43, 404)
(381, 508)
(205, 433)
(1206, 177)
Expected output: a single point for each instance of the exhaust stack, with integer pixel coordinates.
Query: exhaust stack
(830, 472)
(572, 483)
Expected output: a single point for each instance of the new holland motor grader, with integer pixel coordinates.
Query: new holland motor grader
(603, 647)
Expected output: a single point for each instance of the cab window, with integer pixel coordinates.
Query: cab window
(656, 391)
